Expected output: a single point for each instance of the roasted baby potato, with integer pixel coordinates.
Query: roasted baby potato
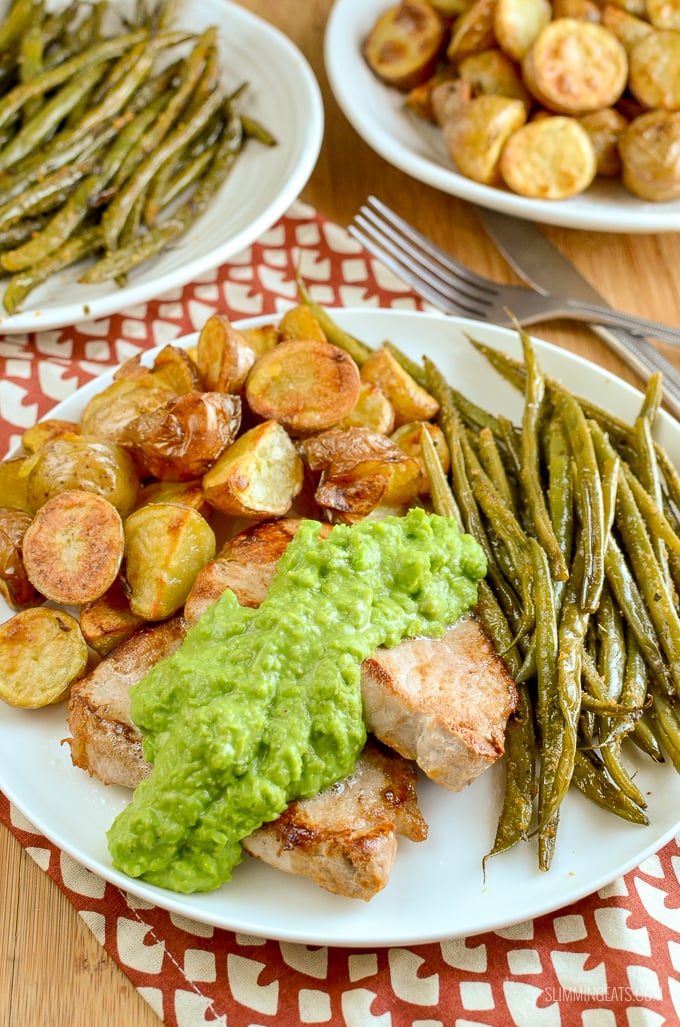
(650, 154)
(493, 73)
(15, 587)
(304, 384)
(574, 66)
(517, 23)
(223, 355)
(83, 462)
(476, 134)
(182, 439)
(405, 44)
(108, 414)
(655, 70)
(472, 31)
(549, 159)
(371, 410)
(108, 621)
(605, 128)
(13, 480)
(173, 369)
(73, 547)
(409, 400)
(186, 493)
(37, 436)
(258, 476)
(166, 545)
(301, 323)
(408, 436)
(626, 27)
(42, 652)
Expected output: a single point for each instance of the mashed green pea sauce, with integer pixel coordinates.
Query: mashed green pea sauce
(260, 707)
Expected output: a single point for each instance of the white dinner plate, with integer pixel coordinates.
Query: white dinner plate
(284, 96)
(417, 147)
(437, 889)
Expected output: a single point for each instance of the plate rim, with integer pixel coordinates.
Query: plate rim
(178, 904)
(342, 54)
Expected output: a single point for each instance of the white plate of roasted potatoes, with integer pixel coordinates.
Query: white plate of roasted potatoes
(559, 111)
(438, 888)
(276, 89)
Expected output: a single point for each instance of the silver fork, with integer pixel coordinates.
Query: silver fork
(456, 289)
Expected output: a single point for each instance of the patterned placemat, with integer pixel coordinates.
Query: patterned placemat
(611, 959)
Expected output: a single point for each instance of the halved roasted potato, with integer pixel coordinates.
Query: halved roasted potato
(605, 128)
(650, 154)
(173, 368)
(408, 438)
(472, 31)
(186, 493)
(494, 73)
(476, 134)
(405, 44)
(300, 322)
(38, 435)
(108, 621)
(15, 587)
(550, 158)
(110, 411)
(305, 384)
(575, 66)
(223, 355)
(13, 482)
(626, 27)
(182, 439)
(517, 23)
(258, 476)
(654, 77)
(83, 462)
(371, 410)
(166, 545)
(411, 402)
(73, 548)
(42, 652)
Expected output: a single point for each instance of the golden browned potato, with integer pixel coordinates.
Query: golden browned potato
(182, 439)
(447, 98)
(586, 10)
(173, 368)
(604, 128)
(304, 384)
(371, 410)
(650, 154)
(15, 587)
(472, 31)
(13, 480)
(83, 462)
(37, 436)
(42, 652)
(408, 438)
(166, 545)
(450, 8)
(493, 73)
(110, 411)
(108, 621)
(404, 45)
(301, 323)
(476, 134)
(411, 402)
(638, 8)
(73, 547)
(419, 99)
(262, 338)
(223, 355)
(549, 159)
(575, 66)
(663, 14)
(258, 476)
(654, 77)
(186, 493)
(516, 24)
(626, 27)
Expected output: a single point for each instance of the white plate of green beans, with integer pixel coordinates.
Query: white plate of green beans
(443, 887)
(140, 147)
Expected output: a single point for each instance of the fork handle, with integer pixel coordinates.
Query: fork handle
(597, 314)
(644, 359)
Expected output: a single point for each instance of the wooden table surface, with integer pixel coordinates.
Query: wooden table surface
(52, 971)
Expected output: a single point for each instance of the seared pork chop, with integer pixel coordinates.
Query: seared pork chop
(441, 702)
(345, 838)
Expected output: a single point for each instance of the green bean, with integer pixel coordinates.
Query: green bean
(533, 494)
(22, 283)
(589, 500)
(104, 51)
(20, 232)
(492, 461)
(44, 195)
(187, 175)
(653, 397)
(644, 737)
(591, 778)
(666, 723)
(253, 129)
(334, 333)
(443, 500)
(517, 808)
(31, 49)
(16, 23)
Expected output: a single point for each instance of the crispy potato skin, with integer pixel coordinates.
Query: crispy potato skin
(476, 135)
(307, 385)
(223, 355)
(650, 154)
(405, 44)
(83, 462)
(73, 547)
(182, 439)
(15, 586)
(42, 652)
(409, 400)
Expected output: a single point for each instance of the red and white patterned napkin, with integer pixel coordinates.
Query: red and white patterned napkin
(612, 959)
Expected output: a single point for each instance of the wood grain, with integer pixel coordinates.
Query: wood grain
(52, 971)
